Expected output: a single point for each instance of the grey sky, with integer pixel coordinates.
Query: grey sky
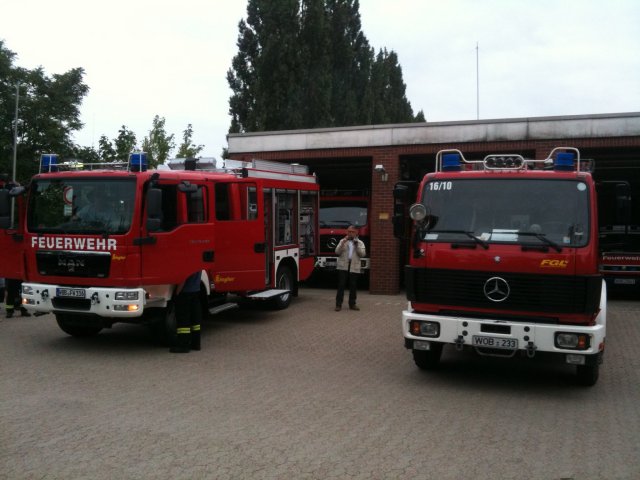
(144, 58)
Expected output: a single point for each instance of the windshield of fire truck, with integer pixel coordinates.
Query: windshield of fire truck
(525, 211)
(81, 205)
(335, 214)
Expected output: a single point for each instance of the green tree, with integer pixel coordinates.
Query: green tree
(187, 147)
(125, 143)
(87, 154)
(315, 73)
(265, 73)
(106, 150)
(351, 64)
(49, 113)
(158, 144)
(390, 104)
(307, 64)
(119, 149)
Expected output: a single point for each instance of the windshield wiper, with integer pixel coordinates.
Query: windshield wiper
(478, 240)
(543, 238)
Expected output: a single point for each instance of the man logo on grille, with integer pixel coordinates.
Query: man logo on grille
(332, 243)
(496, 289)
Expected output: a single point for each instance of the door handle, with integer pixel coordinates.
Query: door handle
(259, 247)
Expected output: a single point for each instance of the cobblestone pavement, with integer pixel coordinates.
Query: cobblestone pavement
(308, 393)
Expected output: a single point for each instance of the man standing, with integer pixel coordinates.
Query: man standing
(13, 301)
(188, 315)
(350, 250)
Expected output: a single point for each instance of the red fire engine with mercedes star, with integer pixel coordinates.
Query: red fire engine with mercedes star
(338, 210)
(250, 228)
(504, 261)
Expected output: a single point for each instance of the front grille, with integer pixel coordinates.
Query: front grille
(327, 240)
(528, 292)
(73, 264)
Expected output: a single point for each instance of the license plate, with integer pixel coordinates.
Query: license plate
(495, 342)
(70, 292)
(624, 281)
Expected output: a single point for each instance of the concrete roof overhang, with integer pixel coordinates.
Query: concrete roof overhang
(500, 130)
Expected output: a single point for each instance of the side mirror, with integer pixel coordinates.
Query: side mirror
(400, 192)
(186, 187)
(400, 220)
(154, 209)
(15, 191)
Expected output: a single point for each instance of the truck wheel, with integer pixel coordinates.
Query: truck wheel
(587, 374)
(428, 359)
(284, 281)
(74, 325)
(163, 326)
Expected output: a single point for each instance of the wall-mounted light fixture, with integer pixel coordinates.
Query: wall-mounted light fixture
(383, 173)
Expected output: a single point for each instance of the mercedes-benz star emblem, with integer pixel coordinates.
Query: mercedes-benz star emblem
(332, 243)
(496, 289)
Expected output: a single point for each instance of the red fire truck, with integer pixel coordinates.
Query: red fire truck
(338, 210)
(504, 261)
(619, 234)
(111, 245)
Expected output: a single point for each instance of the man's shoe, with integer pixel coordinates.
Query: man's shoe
(354, 307)
(24, 312)
(338, 308)
(181, 344)
(179, 349)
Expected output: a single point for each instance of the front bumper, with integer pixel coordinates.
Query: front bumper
(331, 263)
(47, 298)
(531, 337)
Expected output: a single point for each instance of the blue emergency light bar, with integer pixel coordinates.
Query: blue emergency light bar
(48, 162)
(451, 162)
(564, 162)
(138, 162)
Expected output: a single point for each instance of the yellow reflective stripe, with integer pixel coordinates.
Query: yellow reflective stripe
(183, 330)
(195, 328)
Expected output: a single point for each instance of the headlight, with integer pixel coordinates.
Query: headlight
(573, 341)
(418, 212)
(424, 329)
(126, 295)
(27, 290)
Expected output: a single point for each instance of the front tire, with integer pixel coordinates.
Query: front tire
(163, 326)
(77, 325)
(587, 375)
(284, 281)
(428, 359)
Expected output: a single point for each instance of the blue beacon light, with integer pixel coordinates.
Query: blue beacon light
(451, 162)
(48, 163)
(138, 162)
(564, 162)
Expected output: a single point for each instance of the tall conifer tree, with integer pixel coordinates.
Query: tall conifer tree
(307, 64)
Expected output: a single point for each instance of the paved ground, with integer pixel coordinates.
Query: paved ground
(308, 393)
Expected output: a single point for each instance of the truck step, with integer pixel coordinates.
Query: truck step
(221, 308)
(274, 292)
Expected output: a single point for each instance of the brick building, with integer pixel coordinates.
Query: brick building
(347, 157)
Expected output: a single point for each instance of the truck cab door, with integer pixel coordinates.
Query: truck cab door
(177, 239)
(240, 243)
(11, 237)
